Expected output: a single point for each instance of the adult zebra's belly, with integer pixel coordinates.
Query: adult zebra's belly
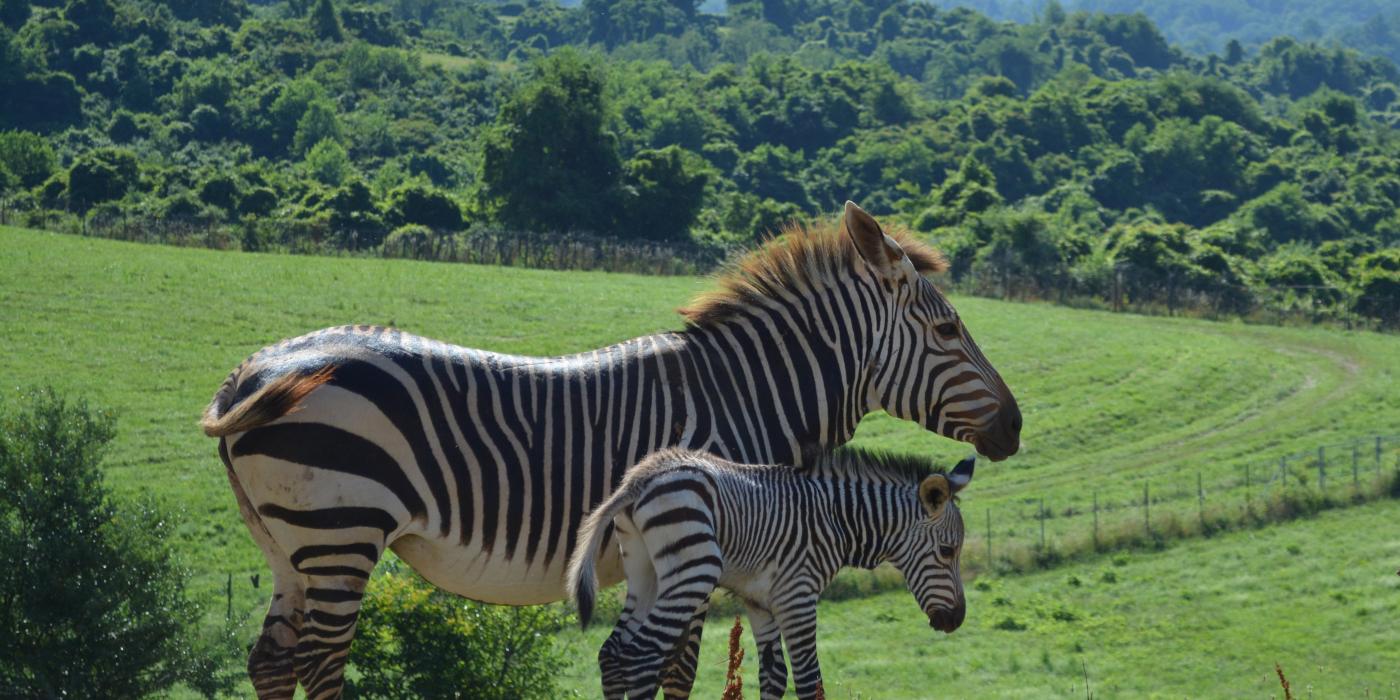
(472, 573)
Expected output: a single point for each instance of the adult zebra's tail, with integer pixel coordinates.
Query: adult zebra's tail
(582, 577)
(276, 399)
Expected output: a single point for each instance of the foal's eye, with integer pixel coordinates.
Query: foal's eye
(946, 551)
(947, 330)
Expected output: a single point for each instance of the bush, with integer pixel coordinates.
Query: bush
(92, 603)
(414, 641)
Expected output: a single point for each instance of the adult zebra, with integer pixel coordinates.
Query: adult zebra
(476, 468)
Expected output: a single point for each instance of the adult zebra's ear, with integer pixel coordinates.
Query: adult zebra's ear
(934, 492)
(879, 250)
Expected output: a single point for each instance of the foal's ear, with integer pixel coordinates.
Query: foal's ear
(934, 492)
(961, 475)
(877, 249)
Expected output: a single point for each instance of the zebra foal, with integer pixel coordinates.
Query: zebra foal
(773, 535)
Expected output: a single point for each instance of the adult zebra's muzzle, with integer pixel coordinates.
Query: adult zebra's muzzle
(948, 619)
(1002, 438)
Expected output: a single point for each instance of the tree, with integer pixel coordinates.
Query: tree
(101, 176)
(663, 193)
(317, 124)
(14, 13)
(549, 163)
(94, 604)
(325, 24)
(328, 162)
(28, 156)
(1378, 286)
(421, 203)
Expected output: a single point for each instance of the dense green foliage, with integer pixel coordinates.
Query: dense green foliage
(1210, 26)
(92, 603)
(1049, 158)
(415, 641)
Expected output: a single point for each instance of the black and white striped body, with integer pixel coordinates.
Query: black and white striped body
(476, 468)
(687, 522)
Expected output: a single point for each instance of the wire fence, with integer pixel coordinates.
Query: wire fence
(1039, 531)
(1121, 286)
(478, 244)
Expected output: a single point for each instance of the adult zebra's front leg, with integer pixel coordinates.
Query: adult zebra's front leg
(679, 676)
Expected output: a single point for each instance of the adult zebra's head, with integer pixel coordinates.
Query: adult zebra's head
(925, 366)
(928, 552)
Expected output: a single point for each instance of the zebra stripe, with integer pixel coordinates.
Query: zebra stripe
(477, 468)
(687, 522)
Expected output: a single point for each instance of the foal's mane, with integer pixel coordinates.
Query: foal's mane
(799, 258)
(875, 465)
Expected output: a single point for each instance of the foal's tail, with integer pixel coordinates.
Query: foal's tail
(583, 576)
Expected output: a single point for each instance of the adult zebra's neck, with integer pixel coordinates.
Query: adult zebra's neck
(786, 374)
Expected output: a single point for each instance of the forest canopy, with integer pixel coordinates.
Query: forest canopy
(1046, 157)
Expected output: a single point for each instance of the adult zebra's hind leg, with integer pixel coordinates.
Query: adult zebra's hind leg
(270, 661)
(332, 608)
(679, 677)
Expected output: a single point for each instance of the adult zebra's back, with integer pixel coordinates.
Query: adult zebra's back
(476, 467)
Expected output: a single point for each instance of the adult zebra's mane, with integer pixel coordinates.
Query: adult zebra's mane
(800, 258)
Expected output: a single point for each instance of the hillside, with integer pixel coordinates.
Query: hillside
(1207, 619)
(1049, 158)
(1207, 27)
(1110, 401)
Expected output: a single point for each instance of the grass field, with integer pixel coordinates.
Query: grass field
(1205, 619)
(1110, 402)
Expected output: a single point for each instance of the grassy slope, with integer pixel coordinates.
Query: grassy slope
(1109, 400)
(1207, 618)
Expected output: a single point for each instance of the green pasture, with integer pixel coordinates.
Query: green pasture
(1110, 401)
(1205, 619)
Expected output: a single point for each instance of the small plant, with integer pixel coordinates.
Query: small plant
(1283, 680)
(734, 677)
(1010, 624)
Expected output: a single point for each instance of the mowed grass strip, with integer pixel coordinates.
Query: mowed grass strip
(1109, 400)
(1205, 619)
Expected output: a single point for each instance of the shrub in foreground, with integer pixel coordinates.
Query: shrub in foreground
(92, 603)
(415, 641)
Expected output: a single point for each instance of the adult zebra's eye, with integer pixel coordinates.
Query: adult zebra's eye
(946, 551)
(947, 330)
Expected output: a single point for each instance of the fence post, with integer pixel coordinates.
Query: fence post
(228, 596)
(1042, 524)
(1378, 453)
(989, 537)
(1355, 469)
(1283, 471)
(1200, 499)
(1146, 511)
(1246, 486)
(1321, 469)
(1096, 521)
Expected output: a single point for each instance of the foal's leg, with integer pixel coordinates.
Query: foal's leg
(688, 565)
(772, 667)
(798, 622)
(614, 658)
(680, 673)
